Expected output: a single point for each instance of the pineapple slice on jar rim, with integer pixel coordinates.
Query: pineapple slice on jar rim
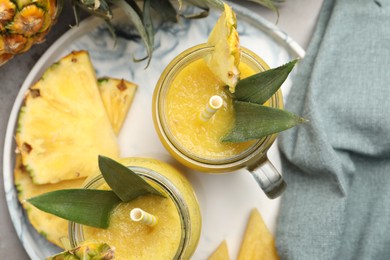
(226, 42)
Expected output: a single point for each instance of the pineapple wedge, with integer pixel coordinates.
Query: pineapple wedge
(88, 250)
(117, 100)
(63, 126)
(221, 253)
(258, 242)
(117, 96)
(226, 56)
(51, 227)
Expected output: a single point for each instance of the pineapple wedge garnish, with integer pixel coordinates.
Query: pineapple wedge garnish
(258, 242)
(87, 250)
(221, 253)
(117, 96)
(51, 227)
(226, 56)
(63, 126)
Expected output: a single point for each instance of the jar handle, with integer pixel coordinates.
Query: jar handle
(268, 178)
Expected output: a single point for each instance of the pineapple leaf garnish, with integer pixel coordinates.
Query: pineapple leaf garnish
(124, 182)
(259, 87)
(89, 207)
(254, 121)
(93, 207)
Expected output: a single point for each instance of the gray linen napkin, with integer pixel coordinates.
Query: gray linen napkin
(337, 166)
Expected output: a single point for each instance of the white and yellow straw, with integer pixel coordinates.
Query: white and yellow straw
(139, 215)
(215, 103)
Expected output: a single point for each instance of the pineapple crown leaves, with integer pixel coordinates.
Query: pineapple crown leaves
(142, 19)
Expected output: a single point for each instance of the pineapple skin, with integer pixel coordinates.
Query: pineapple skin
(24, 23)
(63, 125)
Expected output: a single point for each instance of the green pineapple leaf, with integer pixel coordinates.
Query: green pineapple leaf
(84, 206)
(165, 9)
(132, 11)
(255, 121)
(259, 87)
(124, 182)
(147, 21)
(270, 4)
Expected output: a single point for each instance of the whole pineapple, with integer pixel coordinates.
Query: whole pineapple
(26, 22)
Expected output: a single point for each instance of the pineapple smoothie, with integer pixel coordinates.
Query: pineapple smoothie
(134, 240)
(181, 95)
(186, 98)
(177, 231)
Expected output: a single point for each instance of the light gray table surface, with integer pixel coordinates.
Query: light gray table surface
(297, 19)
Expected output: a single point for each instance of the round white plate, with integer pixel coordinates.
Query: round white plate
(225, 200)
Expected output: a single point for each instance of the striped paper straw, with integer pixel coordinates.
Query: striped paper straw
(212, 107)
(139, 215)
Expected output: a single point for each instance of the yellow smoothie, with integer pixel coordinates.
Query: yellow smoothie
(134, 240)
(187, 96)
(180, 96)
(177, 231)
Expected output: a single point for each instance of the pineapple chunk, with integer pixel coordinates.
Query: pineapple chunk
(226, 56)
(63, 126)
(258, 242)
(221, 253)
(50, 226)
(88, 250)
(117, 96)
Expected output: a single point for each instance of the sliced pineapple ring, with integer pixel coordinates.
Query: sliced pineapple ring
(225, 58)
(51, 227)
(63, 125)
(117, 96)
(258, 242)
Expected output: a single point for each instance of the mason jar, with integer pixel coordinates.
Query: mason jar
(186, 230)
(254, 155)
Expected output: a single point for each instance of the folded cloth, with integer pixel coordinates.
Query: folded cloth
(337, 166)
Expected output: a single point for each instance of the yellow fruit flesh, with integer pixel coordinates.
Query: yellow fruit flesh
(221, 253)
(117, 96)
(161, 241)
(225, 58)
(185, 100)
(63, 126)
(134, 240)
(52, 227)
(258, 242)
